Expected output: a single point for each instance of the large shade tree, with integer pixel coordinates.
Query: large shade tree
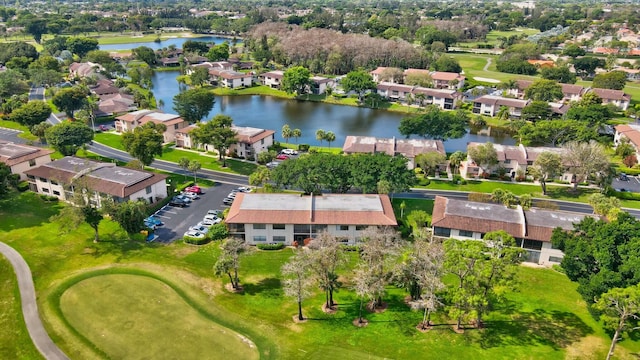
(359, 81)
(218, 133)
(584, 160)
(435, 124)
(67, 137)
(193, 104)
(145, 142)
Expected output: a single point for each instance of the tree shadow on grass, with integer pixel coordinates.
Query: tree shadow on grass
(267, 287)
(25, 210)
(557, 329)
(116, 244)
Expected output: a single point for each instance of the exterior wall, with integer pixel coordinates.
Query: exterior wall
(158, 191)
(237, 82)
(621, 104)
(272, 82)
(124, 126)
(170, 134)
(547, 255)
(483, 109)
(46, 187)
(24, 166)
(349, 236)
(618, 137)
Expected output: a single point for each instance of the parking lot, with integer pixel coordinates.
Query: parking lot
(631, 184)
(177, 220)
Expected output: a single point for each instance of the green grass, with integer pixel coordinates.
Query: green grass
(151, 313)
(543, 317)
(493, 35)
(207, 161)
(13, 331)
(26, 134)
(411, 205)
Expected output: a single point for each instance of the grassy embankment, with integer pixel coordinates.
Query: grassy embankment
(543, 317)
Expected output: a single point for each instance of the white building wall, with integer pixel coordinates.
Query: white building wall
(46, 187)
(24, 166)
(549, 256)
(158, 191)
(351, 234)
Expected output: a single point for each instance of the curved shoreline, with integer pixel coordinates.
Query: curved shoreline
(37, 332)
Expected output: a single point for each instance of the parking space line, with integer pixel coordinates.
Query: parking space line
(162, 216)
(170, 212)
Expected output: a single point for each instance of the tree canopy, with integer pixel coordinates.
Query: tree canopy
(193, 104)
(71, 99)
(31, 113)
(296, 80)
(68, 136)
(358, 81)
(615, 80)
(544, 90)
(435, 124)
(216, 132)
(145, 142)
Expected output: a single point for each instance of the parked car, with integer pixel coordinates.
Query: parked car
(191, 195)
(184, 198)
(216, 212)
(232, 195)
(103, 127)
(211, 220)
(623, 177)
(227, 201)
(194, 234)
(177, 202)
(282, 157)
(200, 228)
(194, 189)
(289, 152)
(273, 164)
(152, 222)
(244, 189)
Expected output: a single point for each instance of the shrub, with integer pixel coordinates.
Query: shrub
(195, 241)
(218, 232)
(303, 147)
(273, 246)
(350, 247)
(424, 181)
(23, 186)
(48, 198)
(457, 179)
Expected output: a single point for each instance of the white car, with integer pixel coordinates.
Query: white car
(194, 234)
(289, 152)
(191, 195)
(200, 228)
(245, 189)
(210, 221)
(184, 198)
(232, 195)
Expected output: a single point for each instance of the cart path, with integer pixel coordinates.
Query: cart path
(38, 334)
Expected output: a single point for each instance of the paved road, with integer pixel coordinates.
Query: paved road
(11, 135)
(217, 176)
(37, 93)
(38, 334)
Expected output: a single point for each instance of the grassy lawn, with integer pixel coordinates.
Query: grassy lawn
(26, 134)
(13, 331)
(411, 205)
(143, 316)
(543, 317)
(209, 162)
(493, 35)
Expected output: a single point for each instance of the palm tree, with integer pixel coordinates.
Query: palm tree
(503, 113)
(286, 133)
(320, 134)
(330, 137)
(296, 133)
(456, 159)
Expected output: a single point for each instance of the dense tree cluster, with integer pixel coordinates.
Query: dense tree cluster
(331, 52)
(314, 173)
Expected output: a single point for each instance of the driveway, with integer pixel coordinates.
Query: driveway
(178, 220)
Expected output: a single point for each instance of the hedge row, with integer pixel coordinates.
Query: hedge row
(274, 246)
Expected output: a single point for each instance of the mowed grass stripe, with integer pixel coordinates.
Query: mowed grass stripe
(131, 316)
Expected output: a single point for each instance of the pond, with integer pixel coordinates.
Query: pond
(272, 113)
(177, 41)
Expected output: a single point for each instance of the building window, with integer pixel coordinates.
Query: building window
(532, 244)
(43, 179)
(31, 177)
(259, 226)
(148, 189)
(175, 126)
(465, 233)
(438, 231)
(54, 182)
(360, 227)
(342, 227)
(278, 226)
(507, 161)
(45, 190)
(57, 193)
(279, 238)
(555, 259)
(259, 238)
(262, 142)
(32, 162)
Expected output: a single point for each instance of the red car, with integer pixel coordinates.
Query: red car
(194, 189)
(282, 157)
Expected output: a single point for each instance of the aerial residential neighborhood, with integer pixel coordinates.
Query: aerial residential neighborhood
(296, 180)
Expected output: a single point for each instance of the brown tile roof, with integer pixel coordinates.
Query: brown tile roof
(387, 86)
(12, 154)
(328, 209)
(379, 70)
(630, 133)
(105, 178)
(249, 135)
(608, 94)
(572, 89)
(407, 147)
(417, 72)
(276, 74)
(445, 76)
(501, 101)
(534, 224)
